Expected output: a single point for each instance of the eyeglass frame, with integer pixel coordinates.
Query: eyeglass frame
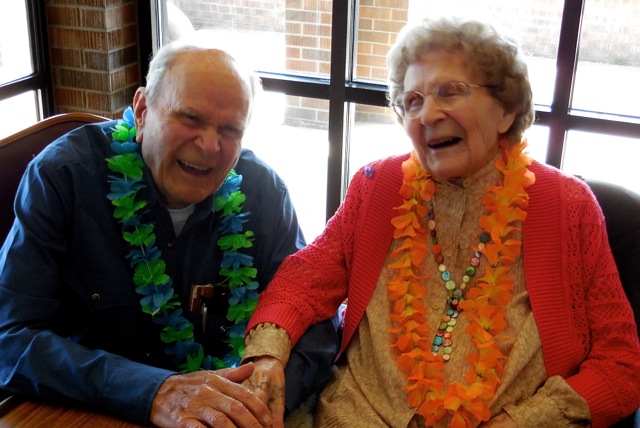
(400, 110)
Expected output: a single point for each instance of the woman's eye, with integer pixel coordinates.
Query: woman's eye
(447, 91)
(413, 102)
(451, 89)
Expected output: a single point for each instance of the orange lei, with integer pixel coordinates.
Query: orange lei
(483, 304)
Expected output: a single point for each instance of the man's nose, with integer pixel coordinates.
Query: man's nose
(209, 140)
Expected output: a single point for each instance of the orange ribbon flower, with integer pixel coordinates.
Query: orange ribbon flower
(483, 305)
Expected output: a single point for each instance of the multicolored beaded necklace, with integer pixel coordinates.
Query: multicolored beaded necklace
(465, 403)
(455, 293)
(156, 287)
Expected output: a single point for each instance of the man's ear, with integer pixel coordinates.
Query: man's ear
(139, 112)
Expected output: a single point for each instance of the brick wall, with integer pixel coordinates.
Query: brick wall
(94, 55)
(379, 22)
(610, 30)
(261, 15)
(308, 51)
(609, 38)
(308, 36)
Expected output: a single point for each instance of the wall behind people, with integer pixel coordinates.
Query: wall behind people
(94, 55)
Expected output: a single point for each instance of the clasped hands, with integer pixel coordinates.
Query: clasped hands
(249, 396)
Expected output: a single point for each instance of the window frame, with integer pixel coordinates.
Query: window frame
(341, 89)
(39, 80)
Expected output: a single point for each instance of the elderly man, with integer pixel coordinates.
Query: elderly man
(137, 253)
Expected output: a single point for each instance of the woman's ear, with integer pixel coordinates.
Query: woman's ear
(505, 122)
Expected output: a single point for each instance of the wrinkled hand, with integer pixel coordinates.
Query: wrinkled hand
(267, 382)
(503, 420)
(209, 399)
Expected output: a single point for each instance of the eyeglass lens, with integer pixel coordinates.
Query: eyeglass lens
(447, 96)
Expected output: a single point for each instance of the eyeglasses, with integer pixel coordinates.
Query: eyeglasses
(447, 96)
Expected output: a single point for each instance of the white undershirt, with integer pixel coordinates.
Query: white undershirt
(179, 217)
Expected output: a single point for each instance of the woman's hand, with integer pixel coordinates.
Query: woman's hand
(267, 382)
(209, 399)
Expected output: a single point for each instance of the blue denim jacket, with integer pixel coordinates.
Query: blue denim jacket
(71, 327)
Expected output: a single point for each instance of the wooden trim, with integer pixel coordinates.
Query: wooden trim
(7, 403)
(77, 118)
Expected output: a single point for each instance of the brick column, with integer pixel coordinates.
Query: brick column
(94, 55)
(379, 22)
(308, 50)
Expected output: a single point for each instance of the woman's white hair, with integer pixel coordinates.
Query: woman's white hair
(495, 59)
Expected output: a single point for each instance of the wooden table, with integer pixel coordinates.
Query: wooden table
(20, 413)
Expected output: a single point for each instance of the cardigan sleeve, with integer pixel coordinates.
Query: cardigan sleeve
(311, 284)
(609, 376)
(585, 321)
(554, 404)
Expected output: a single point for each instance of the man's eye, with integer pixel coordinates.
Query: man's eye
(231, 133)
(189, 119)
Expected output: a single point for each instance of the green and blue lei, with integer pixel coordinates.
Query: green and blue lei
(158, 298)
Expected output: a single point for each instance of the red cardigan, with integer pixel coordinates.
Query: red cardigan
(585, 322)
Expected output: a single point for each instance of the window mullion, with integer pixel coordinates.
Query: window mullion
(565, 75)
(337, 117)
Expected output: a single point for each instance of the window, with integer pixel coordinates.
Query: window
(24, 98)
(322, 63)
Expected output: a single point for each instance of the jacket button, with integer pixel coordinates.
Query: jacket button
(95, 297)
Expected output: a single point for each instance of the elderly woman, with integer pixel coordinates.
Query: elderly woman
(481, 287)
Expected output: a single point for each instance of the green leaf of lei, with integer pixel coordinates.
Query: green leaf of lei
(237, 344)
(142, 236)
(170, 334)
(233, 204)
(127, 206)
(123, 134)
(152, 272)
(237, 240)
(242, 311)
(239, 277)
(194, 362)
(127, 164)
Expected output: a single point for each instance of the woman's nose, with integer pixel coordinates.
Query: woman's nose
(431, 112)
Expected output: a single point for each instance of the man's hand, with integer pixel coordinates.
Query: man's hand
(267, 382)
(209, 399)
